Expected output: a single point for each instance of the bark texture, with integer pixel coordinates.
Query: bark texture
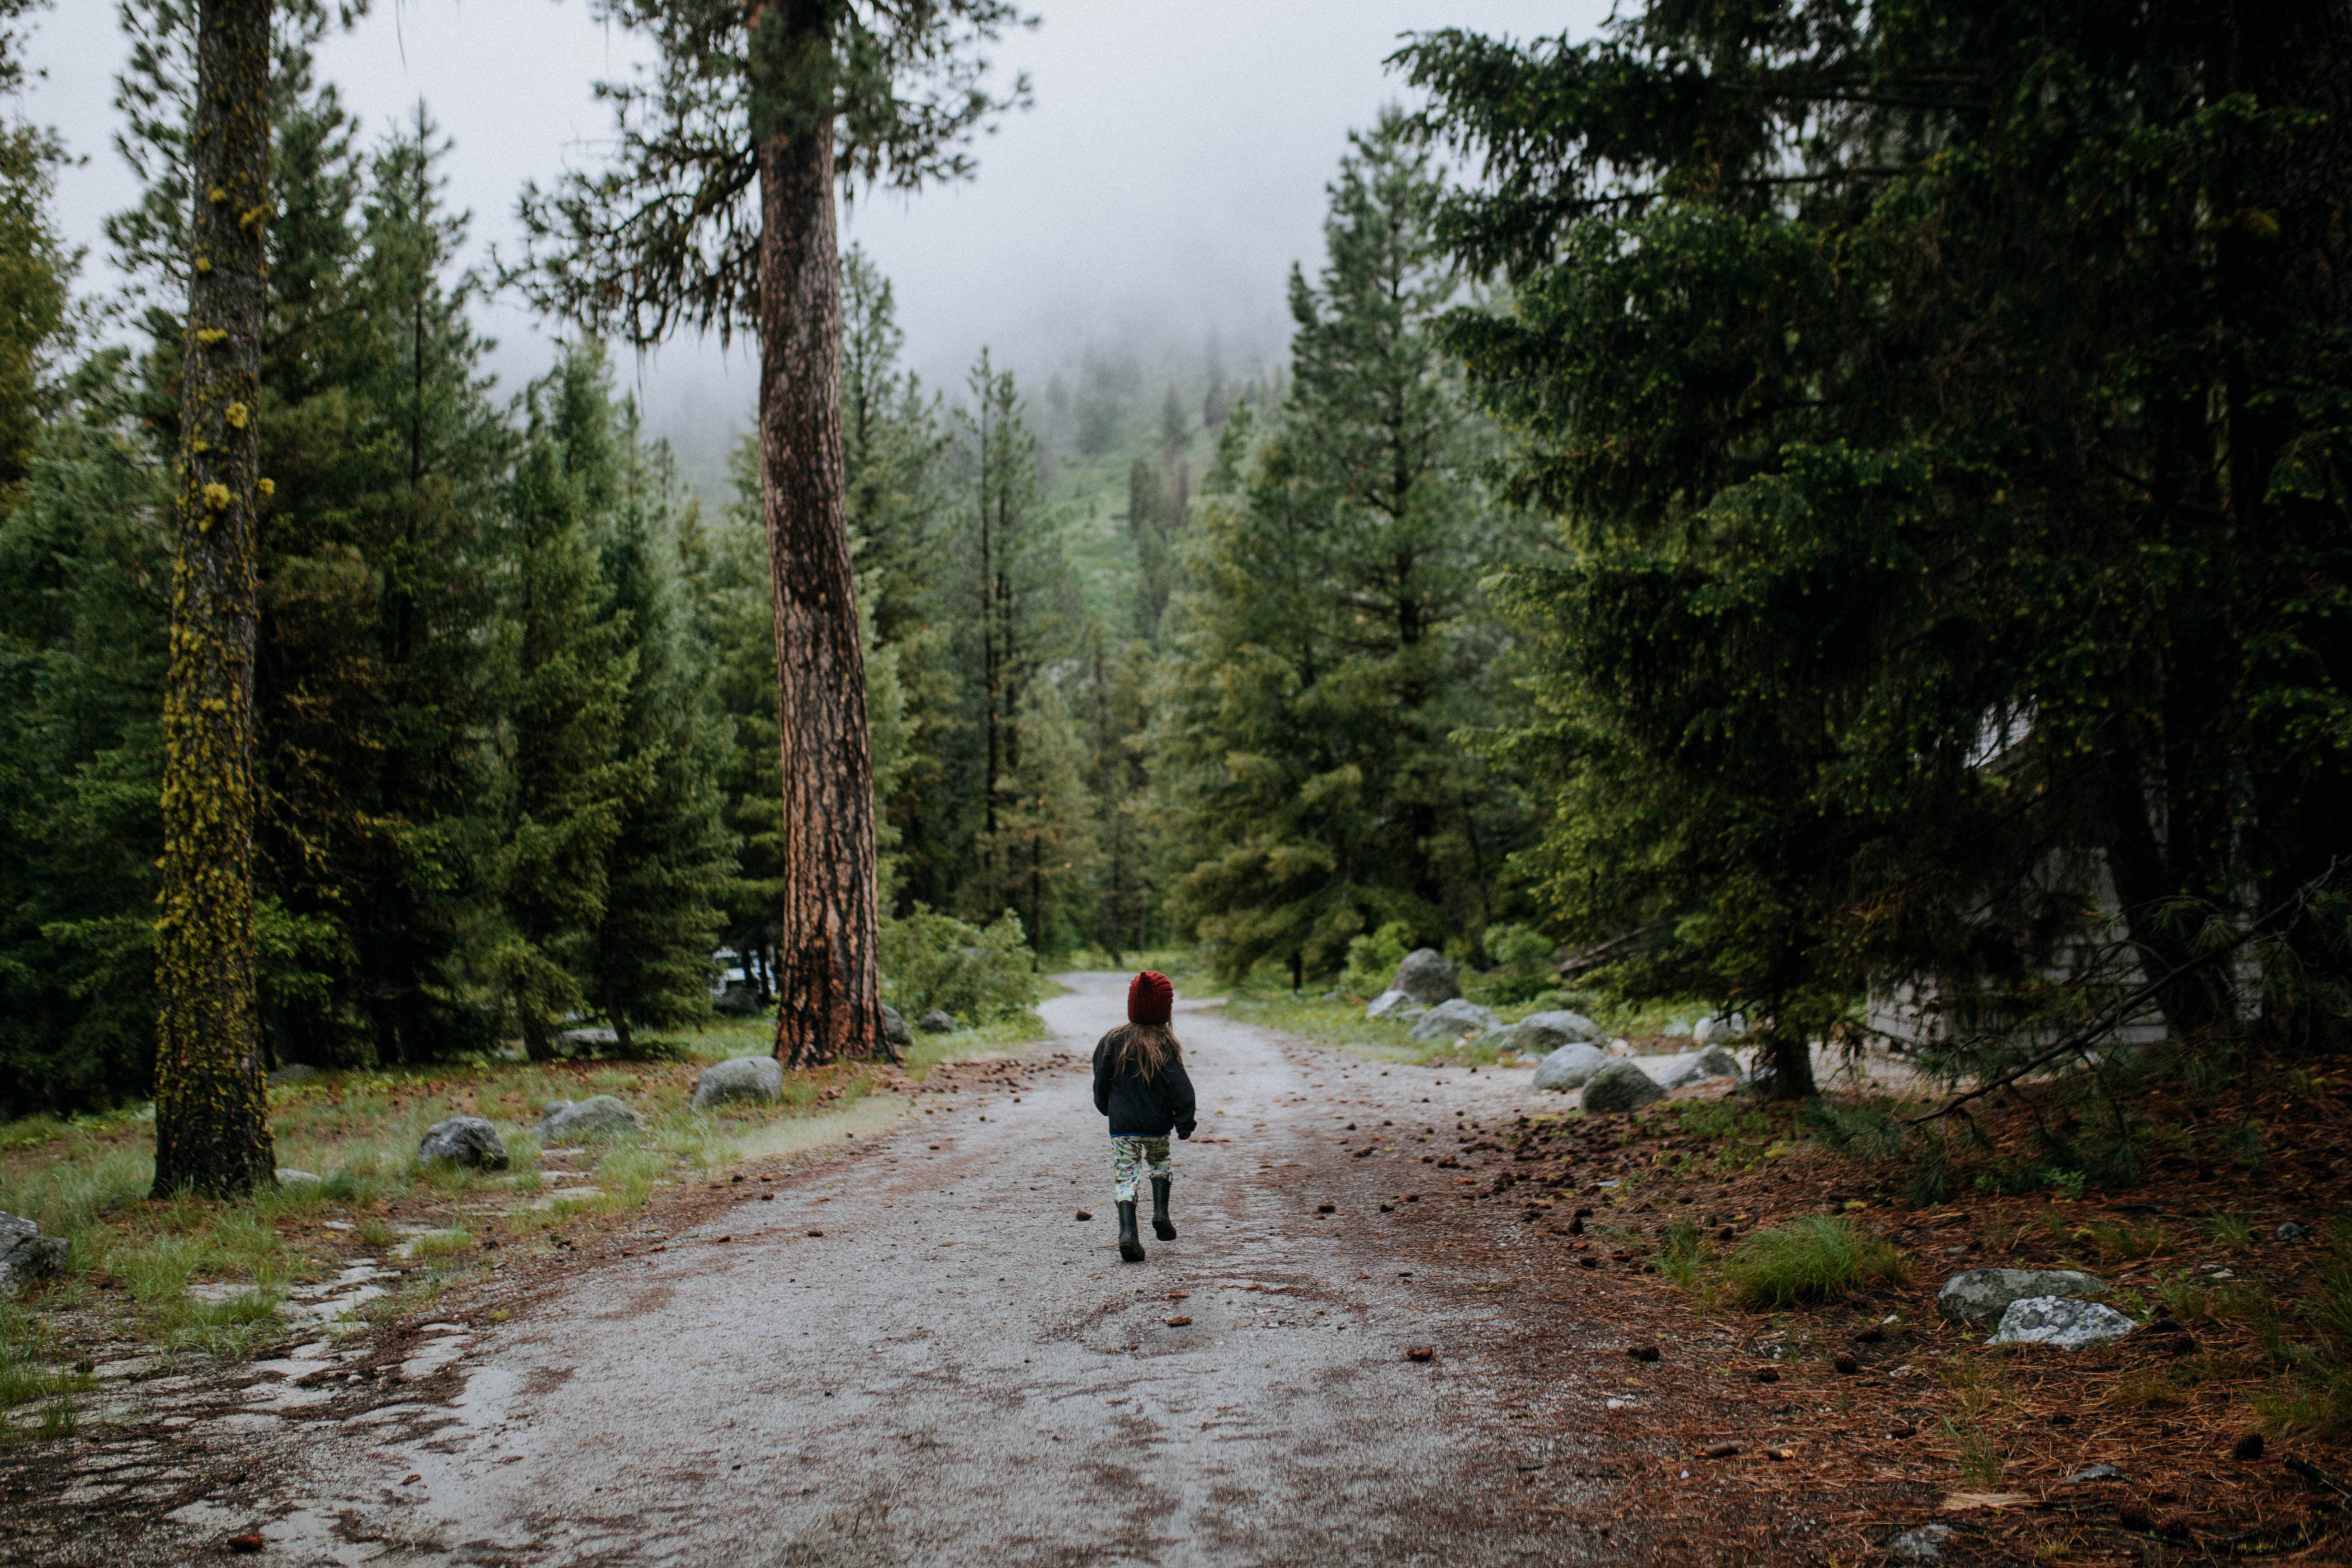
(829, 998)
(212, 1124)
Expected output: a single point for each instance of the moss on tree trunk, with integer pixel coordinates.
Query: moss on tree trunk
(212, 1124)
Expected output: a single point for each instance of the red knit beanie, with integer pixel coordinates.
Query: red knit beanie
(1149, 997)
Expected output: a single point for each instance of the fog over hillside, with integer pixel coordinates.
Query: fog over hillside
(1155, 197)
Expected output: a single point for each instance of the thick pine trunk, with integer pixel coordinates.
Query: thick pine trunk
(211, 1122)
(829, 1001)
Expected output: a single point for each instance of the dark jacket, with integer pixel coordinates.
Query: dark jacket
(1141, 1107)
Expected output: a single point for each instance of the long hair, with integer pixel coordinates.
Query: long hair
(1144, 1048)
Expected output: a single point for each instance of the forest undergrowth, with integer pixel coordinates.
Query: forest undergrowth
(2222, 1425)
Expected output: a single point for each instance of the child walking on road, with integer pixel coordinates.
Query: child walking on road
(1140, 1084)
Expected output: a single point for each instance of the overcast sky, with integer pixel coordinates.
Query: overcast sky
(1170, 171)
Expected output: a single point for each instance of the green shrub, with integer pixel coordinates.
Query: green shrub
(1522, 967)
(935, 962)
(1372, 959)
(1816, 1259)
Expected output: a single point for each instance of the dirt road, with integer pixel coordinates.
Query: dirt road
(916, 1354)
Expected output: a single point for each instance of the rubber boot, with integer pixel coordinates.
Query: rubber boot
(1160, 1228)
(1131, 1245)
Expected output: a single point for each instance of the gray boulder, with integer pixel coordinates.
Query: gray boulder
(2293, 1230)
(1713, 1029)
(1700, 1066)
(1427, 976)
(1571, 1067)
(1618, 1085)
(1450, 1020)
(589, 1039)
(1392, 1003)
(2059, 1320)
(759, 1078)
(894, 1027)
(599, 1117)
(288, 1176)
(1540, 1034)
(463, 1141)
(1982, 1295)
(935, 1023)
(25, 1254)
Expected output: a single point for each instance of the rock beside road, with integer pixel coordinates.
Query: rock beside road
(1982, 1295)
(1708, 1030)
(1570, 1067)
(1620, 1085)
(1540, 1034)
(894, 1027)
(935, 1023)
(759, 1078)
(463, 1141)
(1391, 1003)
(1452, 1020)
(1712, 1062)
(2059, 1321)
(1427, 976)
(26, 1256)
(600, 1117)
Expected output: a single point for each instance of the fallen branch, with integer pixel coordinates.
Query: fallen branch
(2116, 1016)
(1593, 957)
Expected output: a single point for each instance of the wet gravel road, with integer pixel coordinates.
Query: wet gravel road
(957, 1371)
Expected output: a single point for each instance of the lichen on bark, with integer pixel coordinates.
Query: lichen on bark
(212, 1124)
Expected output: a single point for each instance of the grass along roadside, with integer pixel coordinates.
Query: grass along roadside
(1340, 1021)
(189, 1274)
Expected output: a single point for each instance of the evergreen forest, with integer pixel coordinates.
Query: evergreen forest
(1785, 504)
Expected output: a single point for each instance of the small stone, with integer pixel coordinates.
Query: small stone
(27, 1256)
(1642, 1353)
(1620, 1085)
(936, 1022)
(2094, 1473)
(2293, 1230)
(1452, 1020)
(288, 1176)
(1766, 1374)
(1420, 1352)
(600, 1116)
(1568, 1067)
(1846, 1363)
(1427, 976)
(2249, 1447)
(757, 1078)
(2059, 1321)
(1982, 1295)
(1086, 1213)
(463, 1141)
(1925, 1545)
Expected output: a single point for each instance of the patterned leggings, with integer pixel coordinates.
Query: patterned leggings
(1129, 1154)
